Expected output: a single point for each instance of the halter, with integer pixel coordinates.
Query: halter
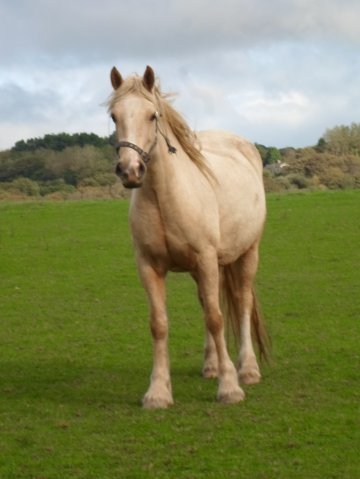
(146, 156)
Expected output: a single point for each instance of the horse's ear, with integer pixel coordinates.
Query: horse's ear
(149, 79)
(116, 78)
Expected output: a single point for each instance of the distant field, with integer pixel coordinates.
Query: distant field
(75, 353)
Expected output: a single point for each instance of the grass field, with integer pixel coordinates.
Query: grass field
(75, 353)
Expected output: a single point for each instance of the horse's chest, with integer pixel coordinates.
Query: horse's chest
(163, 244)
(172, 252)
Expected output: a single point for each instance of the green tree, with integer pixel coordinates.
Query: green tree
(342, 140)
(321, 145)
(273, 155)
(262, 150)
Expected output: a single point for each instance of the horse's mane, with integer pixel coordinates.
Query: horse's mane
(172, 118)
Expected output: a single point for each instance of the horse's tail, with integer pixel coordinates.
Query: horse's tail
(229, 291)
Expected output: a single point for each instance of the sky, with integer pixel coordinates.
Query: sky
(278, 72)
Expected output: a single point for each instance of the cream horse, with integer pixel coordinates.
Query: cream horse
(198, 205)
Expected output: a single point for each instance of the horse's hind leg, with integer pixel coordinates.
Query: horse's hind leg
(159, 394)
(245, 269)
(208, 281)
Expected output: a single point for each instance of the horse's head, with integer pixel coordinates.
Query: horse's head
(135, 116)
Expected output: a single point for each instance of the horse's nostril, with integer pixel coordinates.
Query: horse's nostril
(118, 170)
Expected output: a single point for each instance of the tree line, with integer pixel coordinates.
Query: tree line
(57, 163)
(333, 163)
(66, 163)
(60, 141)
(340, 140)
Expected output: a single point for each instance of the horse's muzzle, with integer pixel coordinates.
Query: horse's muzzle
(133, 176)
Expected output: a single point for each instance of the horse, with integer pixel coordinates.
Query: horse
(198, 206)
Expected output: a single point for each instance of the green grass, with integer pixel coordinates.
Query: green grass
(75, 353)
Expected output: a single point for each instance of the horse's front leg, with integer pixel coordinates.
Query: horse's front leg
(159, 394)
(210, 368)
(229, 390)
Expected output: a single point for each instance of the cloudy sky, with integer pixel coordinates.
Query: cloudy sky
(276, 71)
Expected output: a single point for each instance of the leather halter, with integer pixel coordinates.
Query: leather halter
(146, 156)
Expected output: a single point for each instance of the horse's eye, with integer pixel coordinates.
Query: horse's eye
(113, 118)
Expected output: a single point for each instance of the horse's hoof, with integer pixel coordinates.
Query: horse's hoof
(210, 372)
(232, 396)
(157, 401)
(249, 376)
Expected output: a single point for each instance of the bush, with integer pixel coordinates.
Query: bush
(88, 182)
(283, 182)
(272, 184)
(99, 179)
(25, 186)
(299, 181)
(49, 187)
(106, 179)
(335, 178)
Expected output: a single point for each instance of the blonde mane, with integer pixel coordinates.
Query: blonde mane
(177, 124)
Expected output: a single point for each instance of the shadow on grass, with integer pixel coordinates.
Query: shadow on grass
(67, 382)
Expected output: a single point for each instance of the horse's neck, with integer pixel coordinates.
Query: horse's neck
(167, 169)
(173, 183)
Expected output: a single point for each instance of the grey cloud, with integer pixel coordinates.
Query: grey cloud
(19, 105)
(277, 71)
(88, 30)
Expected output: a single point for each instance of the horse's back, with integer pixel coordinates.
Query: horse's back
(222, 145)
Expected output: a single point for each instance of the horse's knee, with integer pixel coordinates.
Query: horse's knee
(159, 328)
(214, 324)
